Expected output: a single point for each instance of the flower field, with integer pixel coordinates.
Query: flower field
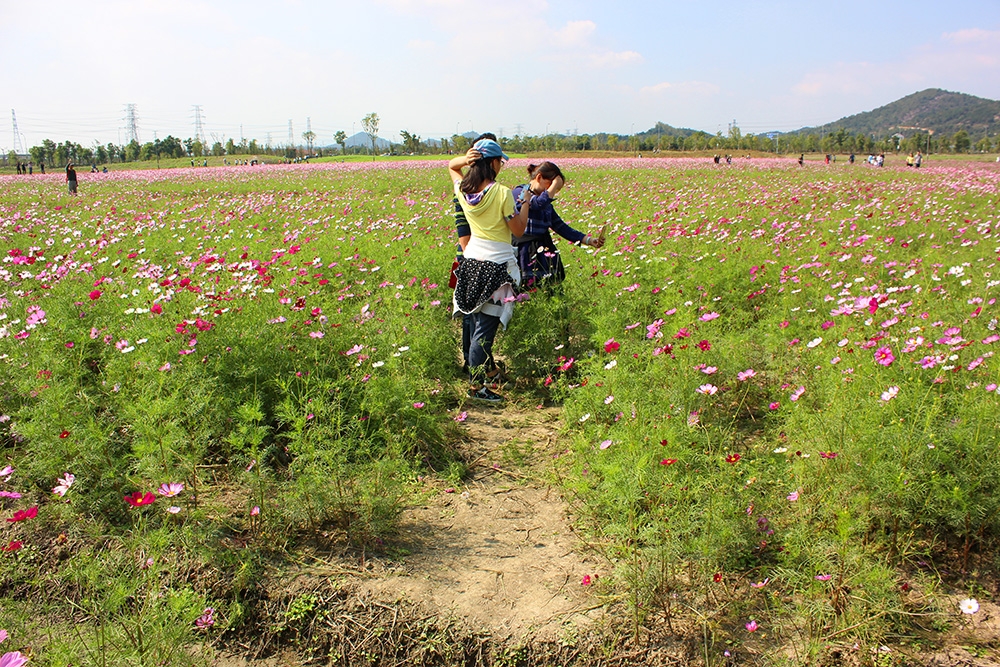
(779, 399)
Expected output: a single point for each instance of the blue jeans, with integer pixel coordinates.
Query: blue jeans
(483, 329)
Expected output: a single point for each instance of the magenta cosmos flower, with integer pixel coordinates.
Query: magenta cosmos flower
(884, 356)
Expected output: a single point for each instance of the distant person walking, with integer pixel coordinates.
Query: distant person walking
(71, 178)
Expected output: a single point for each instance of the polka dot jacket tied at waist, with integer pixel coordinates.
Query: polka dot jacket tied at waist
(477, 282)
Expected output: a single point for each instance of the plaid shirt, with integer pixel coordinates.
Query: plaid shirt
(542, 218)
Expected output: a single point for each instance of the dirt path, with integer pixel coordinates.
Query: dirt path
(497, 550)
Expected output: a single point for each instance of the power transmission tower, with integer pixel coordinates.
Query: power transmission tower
(268, 141)
(517, 129)
(199, 132)
(291, 135)
(19, 148)
(132, 123)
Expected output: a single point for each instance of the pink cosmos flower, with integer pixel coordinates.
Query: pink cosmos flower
(797, 394)
(461, 416)
(889, 394)
(751, 626)
(774, 406)
(760, 584)
(206, 620)
(63, 484)
(354, 350)
(653, 330)
(743, 376)
(95, 295)
(156, 309)
(793, 496)
(418, 405)
(170, 489)
(587, 580)
(255, 510)
(3, 636)
(822, 577)
(708, 317)
(707, 389)
(12, 659)
(884, 356)
(605, 444)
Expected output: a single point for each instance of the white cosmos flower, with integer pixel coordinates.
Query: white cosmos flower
(969, 606)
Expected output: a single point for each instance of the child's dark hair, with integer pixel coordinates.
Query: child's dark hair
(547, 170)
(480, 172)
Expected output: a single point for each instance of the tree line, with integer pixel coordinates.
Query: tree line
(650, 141)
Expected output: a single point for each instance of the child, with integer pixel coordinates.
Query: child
(537, 256)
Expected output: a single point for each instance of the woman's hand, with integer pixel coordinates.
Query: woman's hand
(557, 184)
(471, 156)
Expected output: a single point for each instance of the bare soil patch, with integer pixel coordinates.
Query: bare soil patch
(497, 551)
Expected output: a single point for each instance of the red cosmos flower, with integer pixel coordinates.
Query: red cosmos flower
(733, 458)
(23, 515)
(156, 309)
(717, 577)
(95, 295)
(873, 305)
(137, 499)
(704, 345)
(64, 434)
(611, 345)
(14, 545)
(668, 462)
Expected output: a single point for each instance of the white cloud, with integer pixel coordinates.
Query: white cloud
(965, 60)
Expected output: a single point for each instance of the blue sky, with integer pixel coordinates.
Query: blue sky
(437, 67)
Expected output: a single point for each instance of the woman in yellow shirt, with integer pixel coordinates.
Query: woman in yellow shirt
(487, 280)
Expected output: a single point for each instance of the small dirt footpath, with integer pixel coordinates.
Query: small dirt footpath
(497, 551)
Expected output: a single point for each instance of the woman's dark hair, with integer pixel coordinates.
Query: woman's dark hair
(480, 172)
(546, 169)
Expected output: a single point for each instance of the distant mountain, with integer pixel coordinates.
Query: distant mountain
(936, 111)
(664, 129)
(360, 139)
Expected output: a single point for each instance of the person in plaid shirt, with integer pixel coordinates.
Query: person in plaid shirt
(537, 255)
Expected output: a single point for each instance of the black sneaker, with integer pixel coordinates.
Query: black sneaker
(485, 394)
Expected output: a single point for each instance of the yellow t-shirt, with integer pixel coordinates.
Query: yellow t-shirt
(488, 218)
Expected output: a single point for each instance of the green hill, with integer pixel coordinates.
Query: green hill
(935, 111)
